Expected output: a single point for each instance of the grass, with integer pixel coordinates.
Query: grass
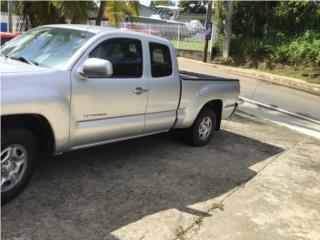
(308, 74)
(188, 17)
(185, 45)
(303, 74)
(180, 233)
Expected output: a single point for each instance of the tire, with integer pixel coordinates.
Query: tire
(19, 154)
(199, 135)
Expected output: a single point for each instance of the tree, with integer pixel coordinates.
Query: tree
(252, 18)
(270, 32)
(101, 12)
(200, 9)
(193, 6)
(51, 12)
(115, 11)
(294, 17)
(228, 28)
(33, 14)
(259, 18)
(4, 6)
(155, 3)
(76, 11)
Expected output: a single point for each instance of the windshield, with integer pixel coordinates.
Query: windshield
(46, 46)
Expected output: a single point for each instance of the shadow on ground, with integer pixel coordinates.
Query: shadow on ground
(89, 193)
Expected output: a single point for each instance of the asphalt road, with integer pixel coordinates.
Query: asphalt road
(263, 176)
(289, 99)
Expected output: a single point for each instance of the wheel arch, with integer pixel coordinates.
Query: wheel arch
(35, 123)
(216, 105)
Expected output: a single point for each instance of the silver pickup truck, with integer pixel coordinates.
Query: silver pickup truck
(66, 87)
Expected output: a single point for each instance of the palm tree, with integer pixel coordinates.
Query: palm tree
(35, 13)
(76, 11)
(116, 11)
(101, 12)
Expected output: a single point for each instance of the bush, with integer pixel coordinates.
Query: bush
(277, 48)
(271, 32)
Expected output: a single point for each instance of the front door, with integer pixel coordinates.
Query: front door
(107, 109)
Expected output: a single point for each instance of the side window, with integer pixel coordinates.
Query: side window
(161, 65)
(125, 55)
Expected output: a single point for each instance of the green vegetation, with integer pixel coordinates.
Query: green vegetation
(155, 3)
(281, 37)
(271, 51)
(184, 45)
(187, 17)
(277, 36)
(34, 13)
(307, 74)
(193, 6)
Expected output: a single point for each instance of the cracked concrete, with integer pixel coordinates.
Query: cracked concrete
(255, 180)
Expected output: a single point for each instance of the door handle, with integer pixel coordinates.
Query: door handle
(139, 90)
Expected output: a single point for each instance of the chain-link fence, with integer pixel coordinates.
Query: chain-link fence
(181, 36)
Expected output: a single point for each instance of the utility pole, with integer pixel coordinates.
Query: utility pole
(208, 20)
(10, 16)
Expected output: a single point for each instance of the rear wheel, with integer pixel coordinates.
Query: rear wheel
(19, 153)
(202, 129)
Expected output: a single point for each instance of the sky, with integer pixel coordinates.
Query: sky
(145, 2)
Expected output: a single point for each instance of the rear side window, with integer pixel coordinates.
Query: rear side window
(125, 55)
(161, 65)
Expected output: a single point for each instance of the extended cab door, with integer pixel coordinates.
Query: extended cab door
(164, 87)
(106, 109)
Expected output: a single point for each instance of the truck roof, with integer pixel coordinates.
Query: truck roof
(101, 29)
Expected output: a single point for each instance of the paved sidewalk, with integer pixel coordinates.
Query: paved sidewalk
(281, 202)
(255, 180)
(269, 77)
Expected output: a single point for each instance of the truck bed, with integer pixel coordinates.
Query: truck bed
(198, 89)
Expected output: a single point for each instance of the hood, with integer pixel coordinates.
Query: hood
(8, 65)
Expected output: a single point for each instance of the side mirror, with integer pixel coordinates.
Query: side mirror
(97, 67)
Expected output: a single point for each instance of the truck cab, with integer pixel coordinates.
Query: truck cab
(140, 96)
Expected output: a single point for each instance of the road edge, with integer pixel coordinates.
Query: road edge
(279, 110)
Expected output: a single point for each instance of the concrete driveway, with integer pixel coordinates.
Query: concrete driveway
(254, 180)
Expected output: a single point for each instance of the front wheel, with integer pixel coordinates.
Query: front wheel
(202, 129)
(19, 152)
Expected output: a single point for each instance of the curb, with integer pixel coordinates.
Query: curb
(269, 77)
(279, 110)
